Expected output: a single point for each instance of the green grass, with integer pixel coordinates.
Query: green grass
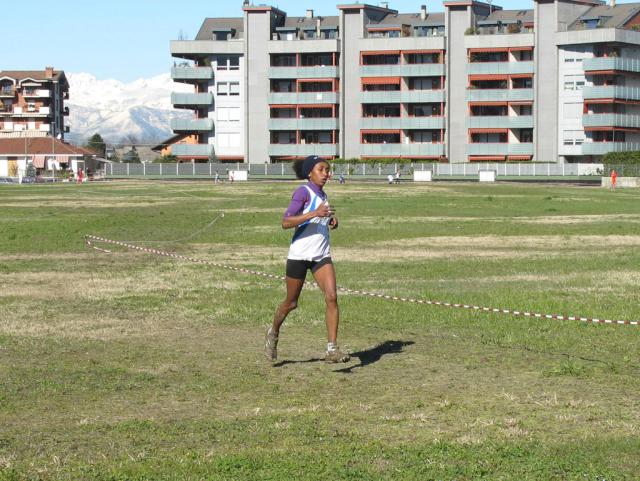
(126, 366)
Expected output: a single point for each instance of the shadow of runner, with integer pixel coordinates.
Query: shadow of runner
(374, 354)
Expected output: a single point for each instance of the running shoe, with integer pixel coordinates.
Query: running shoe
(271, 345)
(336, 356)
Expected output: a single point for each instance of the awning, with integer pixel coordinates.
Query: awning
(423, 51)
(315, 106)
(519, 157)
(600, 72)
(383, 29)
(486, 158)
(380, 52)
(610, 129)
(489, 104)
(380, 80)
(488, 50)
(521, 75)
(38, 161)
(283, 106)
(307, 80)
(489, 76)
(520, 49)
(521, 102)
(488, 131)
(380, 131)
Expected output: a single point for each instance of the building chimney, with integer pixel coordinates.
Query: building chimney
(309, 13)
(384, 4)
(48, 72)
(423, 12)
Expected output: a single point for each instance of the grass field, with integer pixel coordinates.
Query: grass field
(125, 366)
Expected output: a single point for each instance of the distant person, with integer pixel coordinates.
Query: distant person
(80, 175)
(231, 176)
(216, 177)
(614, 180)
(312, 217)
(397, 177)
(390, 179)
(341, 179)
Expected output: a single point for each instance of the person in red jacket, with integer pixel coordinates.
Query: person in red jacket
(614, 179)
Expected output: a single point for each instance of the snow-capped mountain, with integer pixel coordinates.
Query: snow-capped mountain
(141, 109)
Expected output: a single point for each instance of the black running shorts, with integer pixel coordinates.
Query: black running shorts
(297, 269)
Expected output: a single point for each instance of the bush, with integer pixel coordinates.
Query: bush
(625, 163)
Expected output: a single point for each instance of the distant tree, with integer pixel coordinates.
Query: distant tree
(166, 159)
(131, 157)
(31, 170)
(96, 143)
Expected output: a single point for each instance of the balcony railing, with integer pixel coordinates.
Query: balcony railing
(40, 93)
(192, 73)
(302, 72)
(403, 70)
(304, 124)
(500, 122)
(405, 96)
(601, 148)
(192, 125)
(611, 120)
(505, 95)
(611, 92)
(7, 92)
(303, 149)
(500, 67)
(611, 63)
(524, 148)
(422, 123)
(199, 99)
(415, 149)
(195, 150)
(303, 98)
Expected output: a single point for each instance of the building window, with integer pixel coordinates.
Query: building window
(234, 88)
(223, 88)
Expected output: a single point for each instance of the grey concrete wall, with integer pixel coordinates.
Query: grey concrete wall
(545, 105)
(351, 32)
(457, 20)
(257, 34)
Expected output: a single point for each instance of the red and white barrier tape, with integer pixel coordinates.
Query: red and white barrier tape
(89, 238)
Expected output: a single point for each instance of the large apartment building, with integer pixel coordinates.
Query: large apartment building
(32, 103)
(559, 82)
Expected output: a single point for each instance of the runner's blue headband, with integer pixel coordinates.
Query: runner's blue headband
(309, 163)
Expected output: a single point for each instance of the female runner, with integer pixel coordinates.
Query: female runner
(311, 216)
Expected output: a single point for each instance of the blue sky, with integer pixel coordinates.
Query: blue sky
(129, 39)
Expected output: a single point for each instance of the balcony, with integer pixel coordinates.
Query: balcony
(499, 68)
(192, 150)
(497, 95)
(191, 73)
(421, 123)
(611, 92)
(302, 72)
(601, 148)
(192, 100)
(45, 128)
(524, 148)
(304, 124)
(299, 150)
(404, 96)
(7, 93)
(192, 125)
(40, 93)
(500, 122)
(610, 63)
(611, 120)
(402, 150)
(403, 70)
(288, 98)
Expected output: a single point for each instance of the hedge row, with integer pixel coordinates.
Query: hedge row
(621, 158)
